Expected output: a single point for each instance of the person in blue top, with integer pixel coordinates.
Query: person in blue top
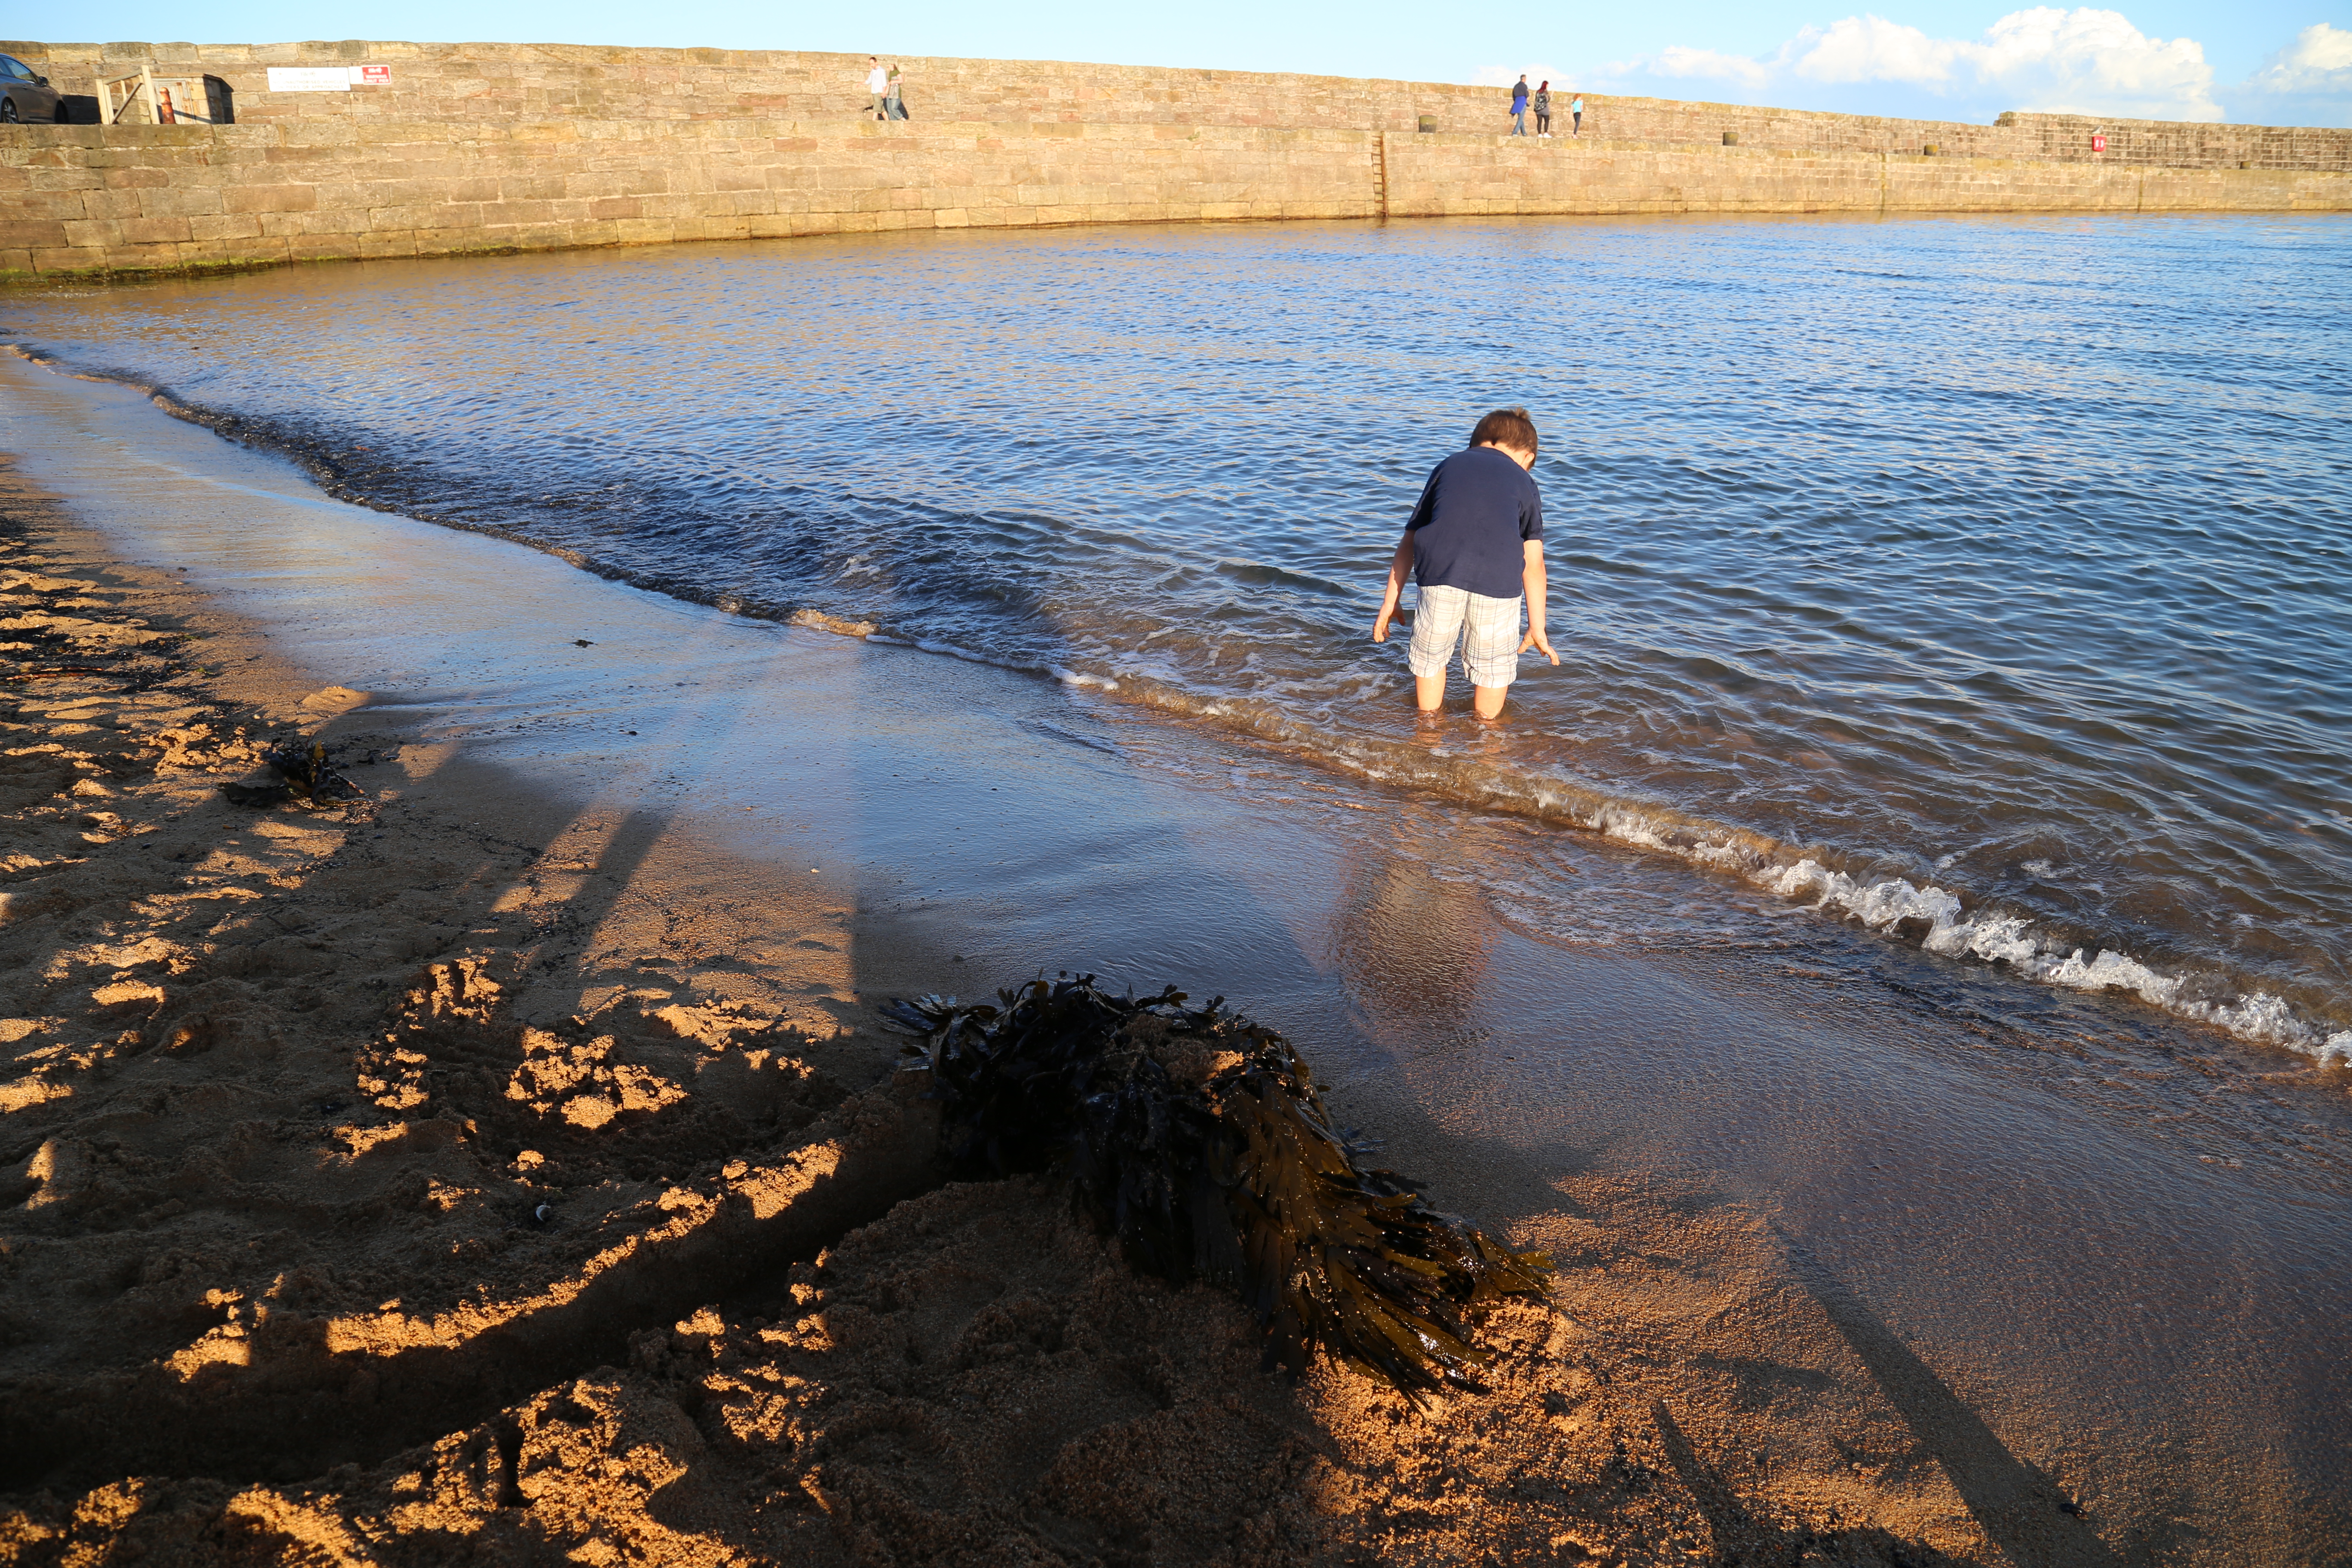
(1519, 108)
(1475, 546)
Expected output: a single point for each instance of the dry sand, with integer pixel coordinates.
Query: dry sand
(286, 1091)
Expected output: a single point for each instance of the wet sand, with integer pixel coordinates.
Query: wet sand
(1846, 1270)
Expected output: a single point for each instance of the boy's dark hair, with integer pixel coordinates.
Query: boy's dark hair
(1506, 427)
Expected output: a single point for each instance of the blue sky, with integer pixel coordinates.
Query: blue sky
(2274, 61)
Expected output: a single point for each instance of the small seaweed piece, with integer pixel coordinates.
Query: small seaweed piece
(1197, 1138)
(306, 774)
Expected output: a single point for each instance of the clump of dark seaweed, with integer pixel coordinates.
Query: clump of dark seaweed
(1198, 1139)
(305, 773)
(301, 770)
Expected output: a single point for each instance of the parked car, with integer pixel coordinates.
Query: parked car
(24, 95)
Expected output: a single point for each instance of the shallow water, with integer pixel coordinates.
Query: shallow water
(1981, 580)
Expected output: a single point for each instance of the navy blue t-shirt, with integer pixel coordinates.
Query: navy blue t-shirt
(1477, 514)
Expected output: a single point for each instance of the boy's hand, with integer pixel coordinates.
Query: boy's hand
(1537, 640)
(1381, 627)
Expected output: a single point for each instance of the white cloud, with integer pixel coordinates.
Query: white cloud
(2094, 62)
(2309, 82)
(1677, 60)
(2048, 60)
(1871, 48)
(2319, 61)
(2079, 61)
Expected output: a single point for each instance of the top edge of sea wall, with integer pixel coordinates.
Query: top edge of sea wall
(478, 81)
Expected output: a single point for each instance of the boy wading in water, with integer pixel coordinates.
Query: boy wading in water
(1476, 547)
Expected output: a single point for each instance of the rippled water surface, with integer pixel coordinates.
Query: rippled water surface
(1983, 580)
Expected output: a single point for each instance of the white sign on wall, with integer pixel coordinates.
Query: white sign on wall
(310, 78)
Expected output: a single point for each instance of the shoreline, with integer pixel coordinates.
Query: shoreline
(1714, 1375)
(1861, 884)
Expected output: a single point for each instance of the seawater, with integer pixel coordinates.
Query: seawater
(1984, 582)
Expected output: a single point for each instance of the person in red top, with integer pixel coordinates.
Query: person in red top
(1474, 547)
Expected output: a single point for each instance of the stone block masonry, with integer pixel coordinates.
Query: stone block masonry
(78, 200)
(509, 82)
(91, 201)
(1489, 176)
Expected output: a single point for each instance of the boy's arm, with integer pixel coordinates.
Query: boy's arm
(1532, 584)
(1400, 567)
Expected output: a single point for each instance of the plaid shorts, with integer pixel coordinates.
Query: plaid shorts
(1486, 630)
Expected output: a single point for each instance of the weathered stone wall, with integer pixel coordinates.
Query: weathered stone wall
(513, 82)
(86, 200)
(2173, 143)
(1480, 176)
(482, 147)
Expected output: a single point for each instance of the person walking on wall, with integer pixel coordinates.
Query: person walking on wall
(1576, 115)
(1519, 108)
(1475, 546)
(894, 106)
(878, 84)
(1542, 101)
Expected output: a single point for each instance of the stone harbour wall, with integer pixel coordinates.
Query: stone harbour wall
(509, 82)
(1479, 176)
(521, 171)
(92, 201)
(233, 195)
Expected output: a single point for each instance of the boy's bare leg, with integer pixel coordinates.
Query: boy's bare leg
(1486, 701)
(1429, 692)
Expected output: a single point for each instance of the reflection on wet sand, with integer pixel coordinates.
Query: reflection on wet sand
(1412, 946)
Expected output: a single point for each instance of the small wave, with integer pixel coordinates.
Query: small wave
(817, 620)
(1258, 574)
(2009, 940)
(1063, 732)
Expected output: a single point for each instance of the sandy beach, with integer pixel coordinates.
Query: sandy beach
(508, 1164)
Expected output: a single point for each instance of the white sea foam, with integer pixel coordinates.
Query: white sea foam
(2263, 1016)
(1991, 937)
(1997, 939)
(2112, 971)
(2009, 940)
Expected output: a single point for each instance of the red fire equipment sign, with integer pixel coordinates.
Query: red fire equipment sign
(2098, 143)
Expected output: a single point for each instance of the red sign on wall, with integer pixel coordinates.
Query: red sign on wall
(375, 75)
(2098, 143)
